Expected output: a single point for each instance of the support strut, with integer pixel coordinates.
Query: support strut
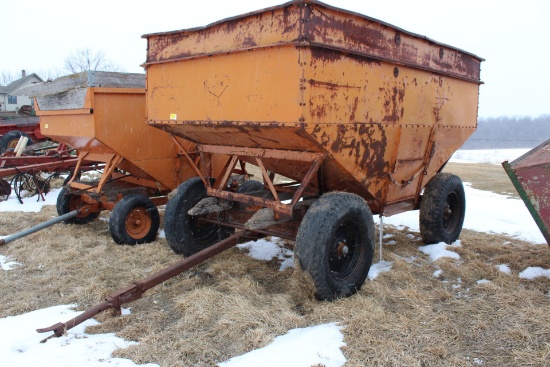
(136, 289)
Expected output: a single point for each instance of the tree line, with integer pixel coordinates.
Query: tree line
(509, 132)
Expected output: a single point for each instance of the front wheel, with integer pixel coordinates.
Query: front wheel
(185, 233)
(67, 202)
(442, 209)
(135, 219)
(335, 244)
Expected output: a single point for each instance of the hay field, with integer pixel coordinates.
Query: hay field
(232, 304)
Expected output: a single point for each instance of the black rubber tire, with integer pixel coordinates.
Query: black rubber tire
(184, 235)
(335, 244)
(134, 220)
(11, 137)
(442, 209)
(67, 202)
(250, 186)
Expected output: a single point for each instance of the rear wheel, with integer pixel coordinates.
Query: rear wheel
(9, 140)
(67, 202)
(185, 233)
(250, 186)
(135, 219)
(335, 244)
(442, 209)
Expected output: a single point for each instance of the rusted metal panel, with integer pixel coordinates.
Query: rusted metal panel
(310, 23)
(239, 33)
(343, 30)
(386, 106)
(530, 175)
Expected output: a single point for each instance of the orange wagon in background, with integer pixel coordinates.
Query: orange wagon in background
(102, 116)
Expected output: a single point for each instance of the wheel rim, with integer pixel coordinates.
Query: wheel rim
(138, 223)
(12, 143)
(344, 251)
(451, 213)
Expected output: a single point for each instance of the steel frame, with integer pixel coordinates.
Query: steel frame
(257, 154)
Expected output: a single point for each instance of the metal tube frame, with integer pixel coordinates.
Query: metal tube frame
(236, 153)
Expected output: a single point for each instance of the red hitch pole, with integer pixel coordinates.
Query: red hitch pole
(135, 290)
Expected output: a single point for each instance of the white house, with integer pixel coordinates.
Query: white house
(9, 101)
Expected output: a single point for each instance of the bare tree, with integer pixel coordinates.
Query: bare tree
(88, 59)
(6, 78)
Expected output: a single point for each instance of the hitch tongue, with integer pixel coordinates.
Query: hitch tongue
(58, 329)
(61, 328)
(135, 290)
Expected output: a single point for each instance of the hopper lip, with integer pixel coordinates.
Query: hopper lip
(517, 162)
(317, 3)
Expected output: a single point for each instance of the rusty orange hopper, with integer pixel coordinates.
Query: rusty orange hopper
(355, 116)
(102, 116)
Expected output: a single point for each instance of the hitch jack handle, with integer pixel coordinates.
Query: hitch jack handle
(135, 290)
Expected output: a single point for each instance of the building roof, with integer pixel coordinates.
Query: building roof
(16, 84)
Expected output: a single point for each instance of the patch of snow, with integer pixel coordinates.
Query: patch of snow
(266, 250)
(478, 362)
(534, 272)
(316, 345)
(287, 263)
(378, 268)
(438, 251)
(504, 268)
(5, 264)
(20, 343)
(483, 281)
(162, 234)
(30, 204)
(437, 273)
(496, 156)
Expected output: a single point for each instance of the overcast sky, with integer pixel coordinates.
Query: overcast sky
(513, 36)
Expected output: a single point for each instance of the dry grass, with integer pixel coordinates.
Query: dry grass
(232, 304)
